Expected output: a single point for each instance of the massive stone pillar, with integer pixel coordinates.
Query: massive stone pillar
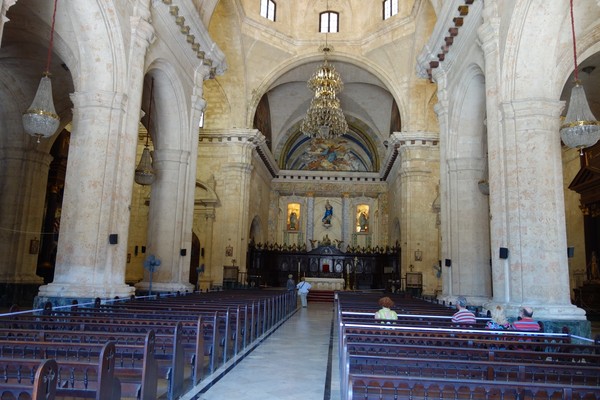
(165, 227)
(532, 209)
(88, 262)
(444, 231)
(23, 179)
(469, 227)
(418, 171)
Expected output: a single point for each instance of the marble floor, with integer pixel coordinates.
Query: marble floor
(298, 360)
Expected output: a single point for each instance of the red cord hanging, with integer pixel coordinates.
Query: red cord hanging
(51, 44)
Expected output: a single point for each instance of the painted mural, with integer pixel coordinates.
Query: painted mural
(331, 155)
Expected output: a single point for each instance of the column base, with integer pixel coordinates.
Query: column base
(164, 287)
(71, 291)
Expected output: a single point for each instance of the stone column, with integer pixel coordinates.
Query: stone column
(198, 104)
(165, 227)
(347, 220)
(533, 209)
(23, 179)
(419, 178)
(469, 227)
(441, 109)
(310, 217)
(489, 34)
(87, 263)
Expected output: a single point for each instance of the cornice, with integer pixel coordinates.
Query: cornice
(457, 16)
(193, 33)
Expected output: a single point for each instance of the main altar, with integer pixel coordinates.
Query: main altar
(325, 267)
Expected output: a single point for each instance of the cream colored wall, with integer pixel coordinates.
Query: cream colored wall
(574, 218)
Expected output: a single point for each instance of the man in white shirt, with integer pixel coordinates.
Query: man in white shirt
(303, 288)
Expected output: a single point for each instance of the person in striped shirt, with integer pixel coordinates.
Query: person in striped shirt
(463, 315)
(525, 321)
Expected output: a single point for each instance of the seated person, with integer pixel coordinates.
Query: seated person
(499, 320)
(525, 321)
(463, 315)
(385, 313)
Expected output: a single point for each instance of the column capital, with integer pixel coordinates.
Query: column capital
(101, 98)
(533, 114)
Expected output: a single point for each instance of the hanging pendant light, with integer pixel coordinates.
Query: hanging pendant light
(40, 120)
(324, 117)
(144, 173)
(580, 128)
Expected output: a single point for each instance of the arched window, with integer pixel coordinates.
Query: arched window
(267, 9)
(390, 8)
(329, 22)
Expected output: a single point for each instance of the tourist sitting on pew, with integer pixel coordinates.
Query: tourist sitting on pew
(386, 313)
(498, 321)
(525, 321)
(463, 315)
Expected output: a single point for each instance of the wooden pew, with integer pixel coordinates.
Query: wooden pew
(38, 384)
(367, 387)
(92, 378)
(584, 375)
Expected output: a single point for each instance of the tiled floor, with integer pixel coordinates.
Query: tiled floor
(296, 361)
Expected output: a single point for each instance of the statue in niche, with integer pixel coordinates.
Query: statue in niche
(363, 221)
(328, 214)
(293, 221)
(594, 270)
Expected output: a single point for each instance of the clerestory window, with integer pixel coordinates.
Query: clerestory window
(390, 8)
(267, 9)
(329, 22)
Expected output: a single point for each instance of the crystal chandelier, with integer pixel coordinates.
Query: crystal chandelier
(144, 173)
(325, 118)
(40, 120)
(580, 128)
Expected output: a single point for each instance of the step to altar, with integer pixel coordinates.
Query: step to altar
(321, 296)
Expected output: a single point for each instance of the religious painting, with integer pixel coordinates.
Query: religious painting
(293, 216)
(330, 155)
(229, 251)
(362, 218)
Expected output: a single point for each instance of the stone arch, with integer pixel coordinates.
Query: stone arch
(103, 65)
(468, 115)
(169, 125)
(302, 59)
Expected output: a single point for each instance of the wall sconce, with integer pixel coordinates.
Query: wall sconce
(418, 255)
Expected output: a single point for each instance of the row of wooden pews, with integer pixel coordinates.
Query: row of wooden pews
(423, 355)
(142, 348)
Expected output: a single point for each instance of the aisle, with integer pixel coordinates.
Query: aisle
(297, 361)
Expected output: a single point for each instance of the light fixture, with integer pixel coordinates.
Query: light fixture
(144, 173)
(40, 120)
(325, 118)
(580, 128)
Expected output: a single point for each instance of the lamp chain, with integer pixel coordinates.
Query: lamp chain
(576, 74)
(150, 110)
(51, 43)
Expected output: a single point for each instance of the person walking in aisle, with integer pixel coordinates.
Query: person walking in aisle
(303, 288)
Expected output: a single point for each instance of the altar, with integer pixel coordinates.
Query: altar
(325, 283)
